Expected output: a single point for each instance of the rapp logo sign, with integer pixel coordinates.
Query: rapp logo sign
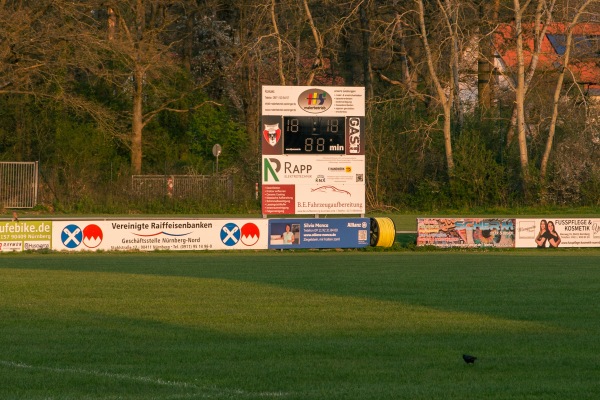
(271, 166)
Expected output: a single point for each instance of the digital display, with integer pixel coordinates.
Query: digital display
(314, 135)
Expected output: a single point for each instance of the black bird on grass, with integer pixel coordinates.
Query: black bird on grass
(469, 359)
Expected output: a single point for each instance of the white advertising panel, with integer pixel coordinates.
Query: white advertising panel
(160, 234)
(307, 100)
(319, 185)
(557, 232)
(317, 170)
(330, 199)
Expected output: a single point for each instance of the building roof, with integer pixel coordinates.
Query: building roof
(584, 62)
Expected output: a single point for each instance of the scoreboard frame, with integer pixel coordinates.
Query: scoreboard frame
(313, 156)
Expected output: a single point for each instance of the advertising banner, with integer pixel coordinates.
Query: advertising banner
(328, 170)
(466, 232)
(25, 235)
(306, 100)
(319, 233)
(160, 234)
(557, 232)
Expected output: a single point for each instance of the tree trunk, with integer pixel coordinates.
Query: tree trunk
(112, 23)
(485, 65)
(279, 45)
(318, 58)
(540, 32)
(558, 88)
(137, 123)
(188, 41)
(366, 44)
(520, 95)
(445, 100)
(405, 71)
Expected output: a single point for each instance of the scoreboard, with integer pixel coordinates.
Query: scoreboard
(314, 135)
(313, 158)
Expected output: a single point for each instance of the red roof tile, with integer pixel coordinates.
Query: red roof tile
(585, 65)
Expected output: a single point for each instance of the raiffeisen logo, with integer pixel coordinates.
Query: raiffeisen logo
(314, 101)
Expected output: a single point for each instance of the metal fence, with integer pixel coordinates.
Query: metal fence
(182, 187)
(18, 184)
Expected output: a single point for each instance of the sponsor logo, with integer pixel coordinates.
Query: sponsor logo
(272, 133)
(268, 169)
(290, 168)
(162, 233)
(230, 234)
(595, 230)
(314, 101)
(11, 246)
(92, 236)
(36, 245)
(272, 167)
(357, 225)
(250, 234)
(72, 236)
(330, 189)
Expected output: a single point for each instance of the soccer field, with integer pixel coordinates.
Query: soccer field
(300, 325)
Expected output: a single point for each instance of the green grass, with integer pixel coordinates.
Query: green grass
(300, 325)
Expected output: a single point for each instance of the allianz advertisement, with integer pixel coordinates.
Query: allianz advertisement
(319, 233)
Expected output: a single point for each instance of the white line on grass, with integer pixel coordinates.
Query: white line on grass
(143, 379)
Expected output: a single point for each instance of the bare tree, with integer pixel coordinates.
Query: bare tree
(488, 13)
(141, 47)
(41, 48)
(564, 68)
(445, 92)
(542, 16)
(318, 47)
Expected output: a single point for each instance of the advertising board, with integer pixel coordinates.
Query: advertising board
(319, 233)
(466, 232)
(557, 232)
(25, 235)
(313, 148)
(160, 234)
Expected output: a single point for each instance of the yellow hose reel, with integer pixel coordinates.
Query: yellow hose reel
(383, 232)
